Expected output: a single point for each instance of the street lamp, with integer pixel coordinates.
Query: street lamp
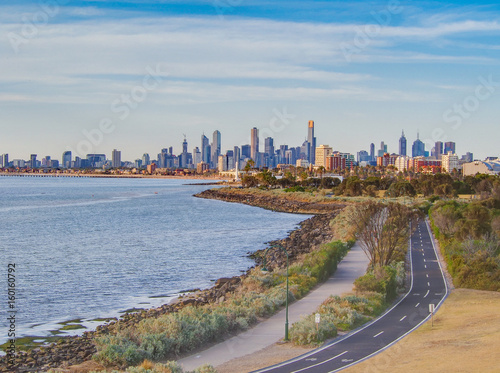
(265, 269)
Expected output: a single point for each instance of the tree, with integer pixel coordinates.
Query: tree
(250, 164)
(382, 230)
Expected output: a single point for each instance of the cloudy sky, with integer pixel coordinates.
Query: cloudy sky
(91, 76)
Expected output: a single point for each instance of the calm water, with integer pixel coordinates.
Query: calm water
(90, 248)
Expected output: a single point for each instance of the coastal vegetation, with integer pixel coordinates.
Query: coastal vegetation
(259, 295)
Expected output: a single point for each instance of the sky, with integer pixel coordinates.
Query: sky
(138, 76)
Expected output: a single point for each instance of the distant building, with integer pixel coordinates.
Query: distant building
(437, 152)
(422, 164)
(449, 146)
(363, 156)
(33, 163)
(221, 163)
(336, 162)
(322, 152)
(5, 160)
(303, 163)
(481, 167)
(95, 160)
(205, 149)
(372, 152)
(467, 157)
(382, 150)
(418, 148)
(202, 167)
(311, 140)
(215, 148)
(254, 143)
(116, 159)
(402, 144)
(246, 151)
(387, 160)
(449, 162)
(402, 163)
(146, 160)
(66, 159)
(237, 157)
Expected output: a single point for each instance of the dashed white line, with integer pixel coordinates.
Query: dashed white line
(375, 336)
(403, 318)
(418, 304)
(428, 284)
(425, 265)
(323, 362)
(426, 294)
(427, 275)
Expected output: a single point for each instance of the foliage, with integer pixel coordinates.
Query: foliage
(260, 295)
(381, 280)
(382, 230)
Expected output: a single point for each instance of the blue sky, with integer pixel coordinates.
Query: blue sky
(92, 76)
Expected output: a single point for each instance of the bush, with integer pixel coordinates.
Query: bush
(305, 332)
(381, 280)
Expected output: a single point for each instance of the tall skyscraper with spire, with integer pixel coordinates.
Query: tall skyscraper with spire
(311, 140)
(402, 144)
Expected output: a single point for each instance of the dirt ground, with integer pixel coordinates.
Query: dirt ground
(465, 338)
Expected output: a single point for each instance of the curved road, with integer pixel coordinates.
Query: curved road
(428, 286)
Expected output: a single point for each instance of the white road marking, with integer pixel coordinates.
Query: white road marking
(428, 284)
(403, 318)
(418, 304)
(326, 361)
(375, 336)
(426, 294)
(425, 265)
(427, 275)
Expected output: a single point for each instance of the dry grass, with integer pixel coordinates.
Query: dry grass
(465, 338)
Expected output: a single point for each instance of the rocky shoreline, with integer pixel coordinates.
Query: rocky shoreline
(70, 351)
(272, 202)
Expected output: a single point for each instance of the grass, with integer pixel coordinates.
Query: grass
(465, 338)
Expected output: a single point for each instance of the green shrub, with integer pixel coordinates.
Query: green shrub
(380, 280)
(305, 332)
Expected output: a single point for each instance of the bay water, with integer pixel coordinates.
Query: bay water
(90, 248)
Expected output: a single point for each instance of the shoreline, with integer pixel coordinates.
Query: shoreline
(74, 350)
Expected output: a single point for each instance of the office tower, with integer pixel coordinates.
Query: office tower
(449, 146)
(237, 156)
(372, 152)
(322, 152)
(33, 161)
(269, 146)
(138, 163)
(402, 144)
(116, 159)
(312, 142)
(382, 150)
(216, 147)
(184, 146)
(254, 143)
(449, 162)
(467, 158)
(205, 152)
(66, 159)
(418, 148)
(245, 151)
(5, 160)
(196, 156)
(363, 156)
(438, 149)
(146, 160)
(171, 151)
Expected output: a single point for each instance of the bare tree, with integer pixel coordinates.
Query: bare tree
(382, 230)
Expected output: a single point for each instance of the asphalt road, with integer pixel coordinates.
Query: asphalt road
(428, 286)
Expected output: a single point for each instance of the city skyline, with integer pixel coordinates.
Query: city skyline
(139, 75)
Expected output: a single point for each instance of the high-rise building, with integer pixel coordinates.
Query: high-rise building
(146, 160)
(66, 159)
(449, 146)
(246, 151)
(236, 156)
(449, 162)
(418, 148)
(33, 161)
(185, 146)
(216, 148)
(5, 160)
(322, 152)
(311, 140)
(254, 143)
(466, 158)
(402, 144)
(382, 150)
(196, 156)
(116, 159)
(205, 152)
(438, 150)
(372, 152)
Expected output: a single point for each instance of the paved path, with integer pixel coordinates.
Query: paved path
(272, 330)
(428, 287)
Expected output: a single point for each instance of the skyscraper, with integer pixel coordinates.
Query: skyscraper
(237, 156)
(245, 151)
(5, 160)
(205, 152)
(66, 159)
(312, 143)
(216, 148)
(418, 148)
(146, 160)
(254, 143)
(33, 161)
(372, 152)
(438, 149)
(116, 159)
(449, 146)
(402, 144)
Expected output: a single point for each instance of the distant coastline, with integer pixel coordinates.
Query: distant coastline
(122, 176)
